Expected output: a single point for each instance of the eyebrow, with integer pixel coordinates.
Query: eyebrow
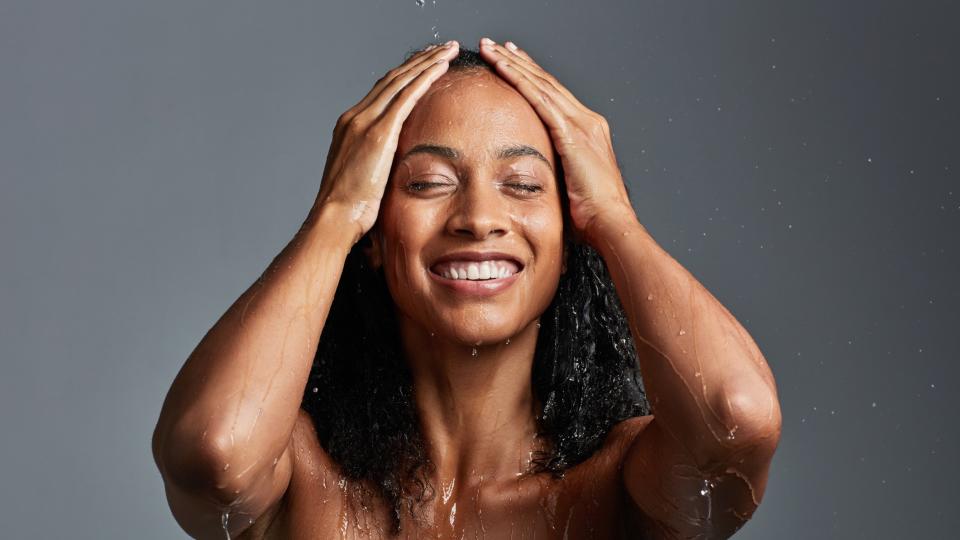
(506, 152)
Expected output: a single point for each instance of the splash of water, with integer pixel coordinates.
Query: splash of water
(224, 521)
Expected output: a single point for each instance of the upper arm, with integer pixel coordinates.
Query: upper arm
(678, 496)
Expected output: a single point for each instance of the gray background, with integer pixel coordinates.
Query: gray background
(800, 159)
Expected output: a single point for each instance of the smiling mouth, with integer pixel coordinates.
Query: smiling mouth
(487, 270)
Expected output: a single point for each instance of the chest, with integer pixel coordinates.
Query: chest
(588, 502)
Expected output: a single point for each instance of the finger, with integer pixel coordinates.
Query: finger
(511, 46)
(417, 63)
(545, 89)
(419, 60)
(399, 109)
(401, 81)
(523, 60)
(543, 100)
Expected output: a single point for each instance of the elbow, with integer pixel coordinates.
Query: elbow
(752, 416)
(201, 466)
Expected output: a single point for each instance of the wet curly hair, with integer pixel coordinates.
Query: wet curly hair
(585, 372)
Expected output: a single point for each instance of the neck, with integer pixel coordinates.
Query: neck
(476, 404)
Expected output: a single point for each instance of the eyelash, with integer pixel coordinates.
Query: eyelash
(412, 186)
(528, 188)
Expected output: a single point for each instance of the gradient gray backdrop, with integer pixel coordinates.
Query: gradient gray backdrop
(800, 159)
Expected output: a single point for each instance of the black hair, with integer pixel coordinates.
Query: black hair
(360, 389)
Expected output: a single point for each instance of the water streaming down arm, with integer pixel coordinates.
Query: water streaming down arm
(223, 434)
(222, 442)
(700, 467)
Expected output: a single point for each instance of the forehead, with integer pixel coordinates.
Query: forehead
(476, 113)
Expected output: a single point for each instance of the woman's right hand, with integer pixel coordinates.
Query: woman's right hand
(366, 136)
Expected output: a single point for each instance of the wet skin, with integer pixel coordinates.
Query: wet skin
(434, 163)
(477, 408)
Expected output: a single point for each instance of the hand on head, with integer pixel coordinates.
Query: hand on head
(365, 137)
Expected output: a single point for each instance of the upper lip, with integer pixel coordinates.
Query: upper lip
(477, 256)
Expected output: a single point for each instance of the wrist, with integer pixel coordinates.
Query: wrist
(617, 220)
(334, 221)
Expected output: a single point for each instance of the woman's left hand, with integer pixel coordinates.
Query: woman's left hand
(580, 136)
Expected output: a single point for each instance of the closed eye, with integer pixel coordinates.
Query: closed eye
(526, 187)
(422, 186)
(531, 188)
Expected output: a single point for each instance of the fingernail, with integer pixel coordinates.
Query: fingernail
(450, 43)
(511, 46)
(486, 41)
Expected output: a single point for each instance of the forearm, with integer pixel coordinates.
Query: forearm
(706, 379)
(232, 407)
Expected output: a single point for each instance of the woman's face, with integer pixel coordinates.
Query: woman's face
(470, 232)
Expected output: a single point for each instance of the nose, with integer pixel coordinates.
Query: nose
(479, 212)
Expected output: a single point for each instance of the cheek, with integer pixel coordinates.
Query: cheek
(407, 228)
(543, 228)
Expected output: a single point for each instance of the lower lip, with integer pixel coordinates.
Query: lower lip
(486, 287)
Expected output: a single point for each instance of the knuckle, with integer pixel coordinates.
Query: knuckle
(601, 122)
(344, 119)
(355, 124)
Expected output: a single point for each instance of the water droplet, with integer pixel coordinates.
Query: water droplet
(420, 3)
(473, 352)
(705, 490)
(227, 466)
(507, 342)
(315, 389)
(682, 332)
(650, 296)
(448, 490)
(224, 521)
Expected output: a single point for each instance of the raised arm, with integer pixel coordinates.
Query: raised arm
(222, 440)
(699, 468)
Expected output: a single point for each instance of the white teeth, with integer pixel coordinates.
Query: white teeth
(477, 271)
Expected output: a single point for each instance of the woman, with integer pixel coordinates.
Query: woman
(472, 373)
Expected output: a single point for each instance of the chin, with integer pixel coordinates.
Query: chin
(477, 331)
